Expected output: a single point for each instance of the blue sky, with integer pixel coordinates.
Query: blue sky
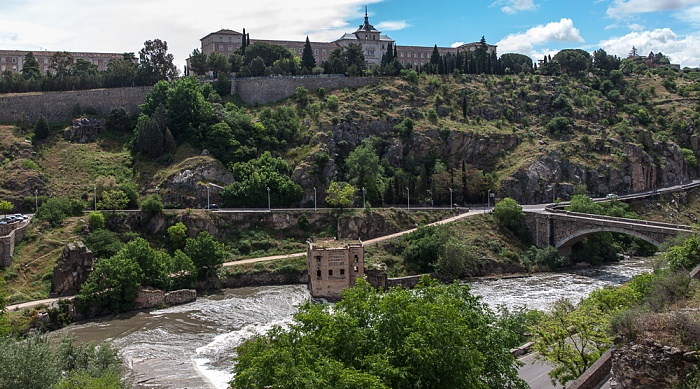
(531, 27)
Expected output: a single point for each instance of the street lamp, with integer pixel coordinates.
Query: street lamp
(408, 201)
(488, 200)
(268, 200)
(36, 200)
(450, 198)
(94, 189)
(363, 197)
(208, 201)
(314, 199)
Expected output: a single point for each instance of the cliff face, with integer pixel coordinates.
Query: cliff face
(651, 365)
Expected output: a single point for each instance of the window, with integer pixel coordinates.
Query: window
(323, 51)
(301, 51)
(239, 39)
(318, 273)
(421, 55)
(230, 47)
(401, 54)
(356, 259)
(370, 53)
(342, 272)
(366, 38)
(230, 39)
(318, 258)
(14, 59)
(382, 46)
(316, 51)
(330, 272)
(221, 47)
(357, 269)
(2, 60)
(415, 55)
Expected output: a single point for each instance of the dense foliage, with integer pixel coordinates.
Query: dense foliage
(437, 336)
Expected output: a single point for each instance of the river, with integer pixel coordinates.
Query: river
(191, 345)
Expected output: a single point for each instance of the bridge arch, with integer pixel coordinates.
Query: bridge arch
(564, 244)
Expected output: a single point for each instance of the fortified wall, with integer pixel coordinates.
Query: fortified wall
(11, 234)
(58, 106)
(265, 90)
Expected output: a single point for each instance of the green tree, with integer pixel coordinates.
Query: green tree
(571, 339)
(113, 285)
(103, 243)
(516, 63)
(61, 63)
(438, 336)
(508, 213)
(182, 271)
(457, 259)
(41, 128)
(355, 59)
(686, 256)
(217, 63)
(150, 136)
(96, 221)
(30, 67)
(308, 62)
(152, 206)
(55, 209)
(340, 195)
(155, 63)
(154, 264)
(119, 120)
(573, 61)
(121, 72)
(5, 207)
(187, 108)
(113, 199)
(365, 171)
(198, 62)
(177, 236)
(206, 253)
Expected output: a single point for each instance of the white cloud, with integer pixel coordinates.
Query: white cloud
(684, 51)
(392, 25)
(457, 44)
(515, 6)
(123, 26)
(622, 8)
(561, 31)
(635, 27)
(691, 15)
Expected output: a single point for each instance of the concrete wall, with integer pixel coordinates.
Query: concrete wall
(265, 90)
(7, 242)
(595, 375)
(58, 106)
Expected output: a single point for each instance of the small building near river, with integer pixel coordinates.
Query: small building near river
(333, 266)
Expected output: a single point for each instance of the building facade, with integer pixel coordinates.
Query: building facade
(374, 45)
(333, 266)
(13, 60)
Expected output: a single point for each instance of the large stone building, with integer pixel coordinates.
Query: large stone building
(13, 60)
(373, 43)
(333, 266)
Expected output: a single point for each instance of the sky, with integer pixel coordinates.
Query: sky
(531, 27)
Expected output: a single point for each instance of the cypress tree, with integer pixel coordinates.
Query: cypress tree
(41, 128)
(244, 44)
(308, 61)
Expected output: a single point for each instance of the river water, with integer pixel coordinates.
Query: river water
(191, 345)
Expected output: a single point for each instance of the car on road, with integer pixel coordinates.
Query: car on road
(19, 216)
(212, 207)
(611, 196)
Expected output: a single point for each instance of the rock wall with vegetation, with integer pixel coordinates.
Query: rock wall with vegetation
(265, 90)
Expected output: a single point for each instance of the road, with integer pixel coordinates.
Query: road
(535, 372)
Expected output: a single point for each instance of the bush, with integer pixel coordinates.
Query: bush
(332, 103)
(177, 236)
(55, 209)
(96, 221)
(508, 213)
(152, 206)
(41, 128)
(103, 243)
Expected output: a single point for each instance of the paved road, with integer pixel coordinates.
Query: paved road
(535, 372)
(31, 304)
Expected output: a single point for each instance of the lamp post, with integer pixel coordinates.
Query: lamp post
(408, 200)
(450, 198)
(314, 199)
(488, 200)
(36, 200)
(268, 200)
(208, 202)
(363, 197)
(94, 189)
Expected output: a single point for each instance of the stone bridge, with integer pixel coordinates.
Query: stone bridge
(562, 229)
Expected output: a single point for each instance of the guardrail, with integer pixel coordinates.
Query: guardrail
(625, 220)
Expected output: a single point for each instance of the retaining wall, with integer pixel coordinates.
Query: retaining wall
(265, 90)
(595, 375)
(58, 106)
(7, 242)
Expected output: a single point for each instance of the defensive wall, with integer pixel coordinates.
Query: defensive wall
(10, 236)
(265, 90)
(59, 106)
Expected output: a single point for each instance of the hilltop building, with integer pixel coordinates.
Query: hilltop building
(373, 42)
(333, 266)
(13, 60)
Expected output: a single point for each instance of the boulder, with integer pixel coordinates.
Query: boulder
(72, 269)
(84, 130)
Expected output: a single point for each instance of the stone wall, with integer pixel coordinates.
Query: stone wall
(7, 242)
(651, 365)
(152, 298)
(264, 279)
(265, 90)
(58, 106)
(594, 375)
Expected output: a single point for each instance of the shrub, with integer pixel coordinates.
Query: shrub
(55, 209)
(332, 103)
(177, 236)
(96, 221)
(41, 128)
(152, 206)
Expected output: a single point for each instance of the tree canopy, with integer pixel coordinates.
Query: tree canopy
(437, 336)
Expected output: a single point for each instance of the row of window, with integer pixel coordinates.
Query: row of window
(230, 39)
(330, 272)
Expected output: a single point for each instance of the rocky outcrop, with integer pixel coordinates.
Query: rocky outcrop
(84, 130)
(651, 365)
(637, 171)
(186, 186)
(153, 298)
(72, 269)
